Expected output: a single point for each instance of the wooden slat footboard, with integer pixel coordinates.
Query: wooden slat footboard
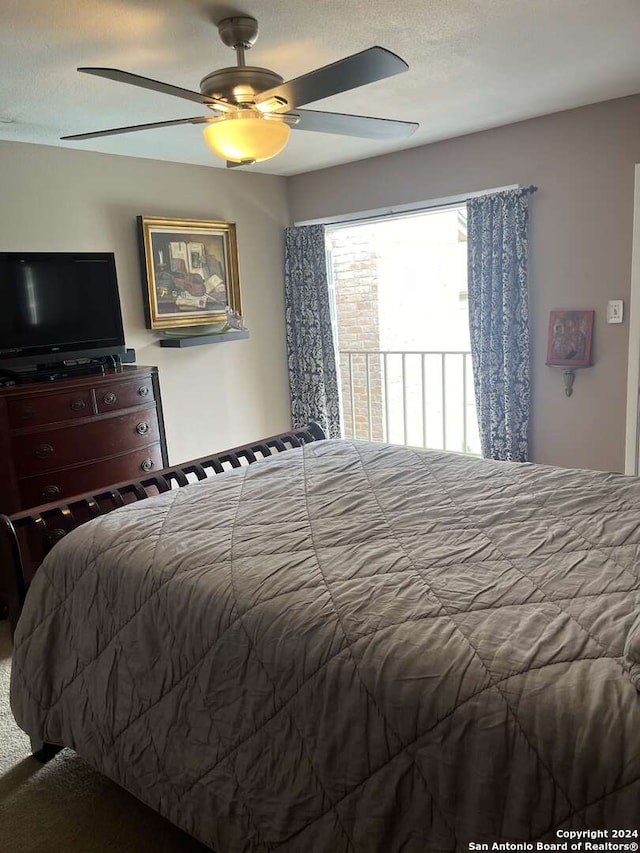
(27, 537)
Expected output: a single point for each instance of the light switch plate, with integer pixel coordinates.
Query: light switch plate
(615, 311)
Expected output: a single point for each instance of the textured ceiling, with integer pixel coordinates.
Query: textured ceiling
(473, 64)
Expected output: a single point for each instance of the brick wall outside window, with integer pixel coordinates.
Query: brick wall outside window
(355, 274)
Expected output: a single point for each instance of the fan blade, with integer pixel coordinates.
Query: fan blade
(233, 164)
(114, 130)
(348, 125)
(369, 65)
(157, 86)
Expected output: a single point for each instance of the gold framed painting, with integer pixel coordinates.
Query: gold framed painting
(189, 271)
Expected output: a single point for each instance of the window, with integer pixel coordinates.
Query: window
(399, 286)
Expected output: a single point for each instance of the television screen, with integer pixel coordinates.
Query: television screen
(58, 306)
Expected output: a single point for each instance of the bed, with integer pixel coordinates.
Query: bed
(353, 647)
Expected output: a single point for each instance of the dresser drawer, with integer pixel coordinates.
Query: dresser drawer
(49, 449)
(49, 408)
(124, 395)
(57, 485)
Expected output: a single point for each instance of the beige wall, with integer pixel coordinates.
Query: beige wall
(219, 395)
(580, 246)
(214, 396)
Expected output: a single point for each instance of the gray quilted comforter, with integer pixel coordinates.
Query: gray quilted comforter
(352, 647)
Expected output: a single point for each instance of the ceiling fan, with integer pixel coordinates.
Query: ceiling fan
(252, 109)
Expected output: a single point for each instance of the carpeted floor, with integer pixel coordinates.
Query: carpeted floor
(65, 805)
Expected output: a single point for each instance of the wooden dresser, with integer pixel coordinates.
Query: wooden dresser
(77, 435)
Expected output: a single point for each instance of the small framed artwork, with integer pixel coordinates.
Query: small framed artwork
(189, 271)
(569, 340)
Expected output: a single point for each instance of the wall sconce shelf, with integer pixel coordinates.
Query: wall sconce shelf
(569, 377)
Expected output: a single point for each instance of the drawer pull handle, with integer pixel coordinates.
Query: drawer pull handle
(147, 465)
(143, 390)
(50, 493)
(44, 451)
(110, 398)
(78, 405)
(27, 414)
(142, 428)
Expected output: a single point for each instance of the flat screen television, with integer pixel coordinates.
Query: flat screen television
(57, 307)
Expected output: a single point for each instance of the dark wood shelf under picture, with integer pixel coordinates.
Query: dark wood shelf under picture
(198, 340)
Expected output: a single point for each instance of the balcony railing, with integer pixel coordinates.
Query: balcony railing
(418, 399)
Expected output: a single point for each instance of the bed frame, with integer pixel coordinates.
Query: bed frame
(27, 537)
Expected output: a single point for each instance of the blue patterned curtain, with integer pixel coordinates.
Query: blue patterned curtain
(313, 378)
(499, 320)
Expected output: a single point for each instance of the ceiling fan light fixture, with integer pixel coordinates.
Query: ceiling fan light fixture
(246, 135)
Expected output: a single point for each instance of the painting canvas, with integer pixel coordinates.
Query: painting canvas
(569, 341)
(190, 271)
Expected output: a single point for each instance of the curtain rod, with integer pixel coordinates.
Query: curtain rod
(393, 213)
(407, 209)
